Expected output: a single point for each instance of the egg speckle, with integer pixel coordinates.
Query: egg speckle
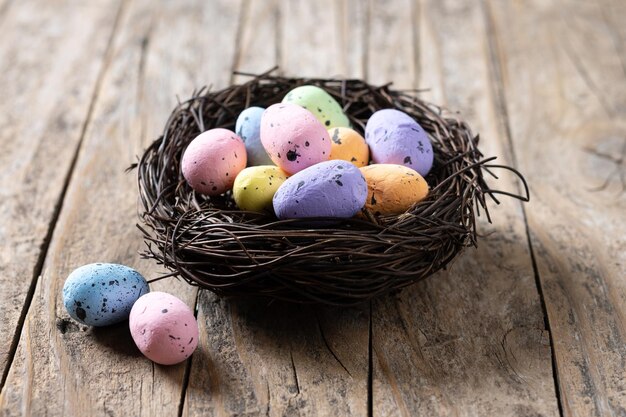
(101, 294)
(212, 161)
(163, 328)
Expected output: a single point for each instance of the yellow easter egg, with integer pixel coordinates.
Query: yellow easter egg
(255, 187)
(348, 145)
(392, 189)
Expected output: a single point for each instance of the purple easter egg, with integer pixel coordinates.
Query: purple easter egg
(395, 137)
(333, 188)
(387, 117)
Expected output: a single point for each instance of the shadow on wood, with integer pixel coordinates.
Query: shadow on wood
(116, 337)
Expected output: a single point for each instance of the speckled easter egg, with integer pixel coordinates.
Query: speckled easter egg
(293, 138)
(255, 187)
(328, 189)
(323, 106)
(395, 137)
(348, 145)
(248, 128)
(212, 161)
(163, 328)
(101, 294)
(393, 189)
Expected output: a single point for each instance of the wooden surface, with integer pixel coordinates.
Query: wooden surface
(530, 323)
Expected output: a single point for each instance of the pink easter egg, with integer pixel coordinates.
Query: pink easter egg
(212, 161)
(293, 138)
(163, 328)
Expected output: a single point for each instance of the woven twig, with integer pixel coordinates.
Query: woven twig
(210, 243)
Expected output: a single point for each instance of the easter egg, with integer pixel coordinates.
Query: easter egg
(101, 294)
(348, 145)
(212, 161)
(255, 187)
(163, 328)
(328, 189)
(392, 189)
(293, 138)
(395, 138)
(323, 106)
(248, 128)
(385, 118)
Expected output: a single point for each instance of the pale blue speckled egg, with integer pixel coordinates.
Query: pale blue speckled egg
(102, 294)
(248, 128)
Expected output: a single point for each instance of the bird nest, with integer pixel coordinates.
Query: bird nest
(209, 242)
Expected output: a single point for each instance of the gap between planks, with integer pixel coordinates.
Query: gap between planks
(38, 267)
(498, 92)
(187, 373)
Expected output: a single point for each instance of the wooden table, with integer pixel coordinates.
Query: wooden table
(530, 323)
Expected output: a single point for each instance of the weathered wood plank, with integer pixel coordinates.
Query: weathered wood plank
(470, 340)
(257, 48)
(4, 8)
(283, 359)
(391, 49)
(310, 40)
(563, 78)
(45, 44)
(353, 24)
(278, 359)
(61, 368)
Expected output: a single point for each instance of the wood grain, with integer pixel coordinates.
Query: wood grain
(391, 46)
(311, 36)
(281, 359)
(471, 340)
(257, 46)
(44, 44)
(61, 368)
(88, 84)
(562, 82)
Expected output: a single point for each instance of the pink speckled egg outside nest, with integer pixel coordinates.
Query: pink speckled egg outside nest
(163, 328)
(293, 138)
(212, 161)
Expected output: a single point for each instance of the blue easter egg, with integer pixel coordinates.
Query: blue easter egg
(102, 294)
(248, 128)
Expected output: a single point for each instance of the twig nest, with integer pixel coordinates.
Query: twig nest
(210, 242)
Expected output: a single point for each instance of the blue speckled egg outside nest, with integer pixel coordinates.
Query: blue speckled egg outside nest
(102, 294)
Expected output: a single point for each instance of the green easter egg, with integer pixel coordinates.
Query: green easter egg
(323, 106)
